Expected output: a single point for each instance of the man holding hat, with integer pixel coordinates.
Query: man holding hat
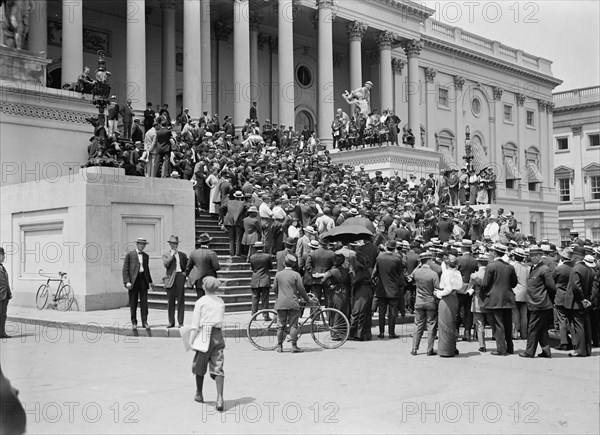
(137, 279)
(540, 294)
(389, 268)
(260, 283)
(577, 302)
(561, 276)
(203, 262)
(5, 294)
(497, 293)
(175, 263)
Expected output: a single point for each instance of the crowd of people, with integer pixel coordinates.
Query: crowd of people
(277, 192)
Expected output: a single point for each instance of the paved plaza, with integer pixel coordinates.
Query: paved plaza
(94, 381)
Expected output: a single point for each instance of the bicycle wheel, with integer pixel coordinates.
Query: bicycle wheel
(41, 297)
(263, 333)
(330, 328)
(65, 298)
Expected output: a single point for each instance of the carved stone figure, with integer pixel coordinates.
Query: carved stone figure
(360, 99)
(14, 20)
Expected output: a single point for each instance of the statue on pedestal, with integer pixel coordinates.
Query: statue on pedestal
(360, 99)
(14, 21)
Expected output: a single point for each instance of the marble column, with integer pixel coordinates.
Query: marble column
(413, 51)
(192, 84)
(385, 41)
(325, 108)
(72, 40)
(168, 89)
(285, 62)
(255, 85)
(355, 32)
(38, 27)
(208, 90)
(241, 63)
(136, 55)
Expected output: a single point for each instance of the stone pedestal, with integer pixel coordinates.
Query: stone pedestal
(22, 66)
(84, 223)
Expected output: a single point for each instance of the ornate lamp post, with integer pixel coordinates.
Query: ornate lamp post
(468, 157)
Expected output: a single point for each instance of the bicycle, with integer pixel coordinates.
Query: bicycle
(329, 327)
(63, 298)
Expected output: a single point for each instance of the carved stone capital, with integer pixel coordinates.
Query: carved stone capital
(168, 4)
(521, 99)
(385, 39)
(222, 31)
(412, 47)
(576, 129)
(356, 30)
(397, 65)
(430, 74)
(256, 20)
(498, 93)
(542, 105)
(459, 82)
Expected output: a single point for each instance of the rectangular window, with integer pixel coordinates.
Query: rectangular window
(594, 140)
(508, 113)
(562, 143)
(443, 97)
(530, 114)
(564, 190)
(595, 186)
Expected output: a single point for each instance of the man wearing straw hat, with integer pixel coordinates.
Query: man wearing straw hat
(137, 279)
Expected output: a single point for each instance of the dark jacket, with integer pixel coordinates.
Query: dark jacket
(131, 267)
(496, 288)
(580, 286)
(261, 265)
(389, 269)
(561, 279)
(540, 288)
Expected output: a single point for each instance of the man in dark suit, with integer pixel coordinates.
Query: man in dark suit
(149, 117)
(561, 276)
(5, 295)
(202, 262)
(235, 210)
(260, 283)
(497, 292)
(578, 303)
(175, 262)
(389, 269)
(466, 264)
(137, 279)
(319, 261)
(127, 115)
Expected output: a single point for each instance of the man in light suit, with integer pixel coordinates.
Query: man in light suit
(260, 283)
(175, 262)
(137, 279)
(202, 262)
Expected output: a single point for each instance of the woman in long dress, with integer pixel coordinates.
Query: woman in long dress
(360, 319)
(212, 181)
(450, 282)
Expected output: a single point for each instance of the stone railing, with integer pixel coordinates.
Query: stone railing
(577, 96)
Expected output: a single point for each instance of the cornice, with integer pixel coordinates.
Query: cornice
(439, 44)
